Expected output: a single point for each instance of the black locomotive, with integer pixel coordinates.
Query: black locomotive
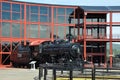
(58, 51)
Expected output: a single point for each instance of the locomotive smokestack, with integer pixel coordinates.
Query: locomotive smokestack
(69, 37)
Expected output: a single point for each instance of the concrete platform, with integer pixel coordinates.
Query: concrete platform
(17, 74)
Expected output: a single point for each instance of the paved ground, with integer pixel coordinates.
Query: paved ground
(27, 74)
(17, 74)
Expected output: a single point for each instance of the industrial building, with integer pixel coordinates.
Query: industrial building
(36, 22)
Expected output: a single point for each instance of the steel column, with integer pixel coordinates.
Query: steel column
(84, 36)
(25, 23)
(105, 54)
(78, 27)
(52, 23)
(111, 54)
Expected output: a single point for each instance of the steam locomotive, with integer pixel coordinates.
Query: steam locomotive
(58, 51)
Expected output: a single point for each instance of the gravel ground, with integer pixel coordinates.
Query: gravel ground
(17, 74)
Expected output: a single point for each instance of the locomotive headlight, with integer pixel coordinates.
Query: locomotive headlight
(76, 48)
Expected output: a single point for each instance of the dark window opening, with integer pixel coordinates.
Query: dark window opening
(6, 59)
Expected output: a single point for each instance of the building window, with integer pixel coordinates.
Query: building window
(94, 20)
(102, 32)
(34, 18)
(5, 29)
(89, 32)
(61, 19)
(44, 31)
(5, 9)
(15, 16)
(43, 18)
(61, 11)
(22, 32)
(89, 20)
(6, 15)
(15, 30)
(44, 14)
(33, 13)
(61, 32)
(94, 32)
(5, 6)
(60, 15)
(55, 15)
(28, 13)
(16, 12)
(22, 7)
(43, 10)
(74, 32)
(15, 7)
(69, 11)
(64, 15)
(81, 31)
(34, 9)
(33, 31)
(27, 30)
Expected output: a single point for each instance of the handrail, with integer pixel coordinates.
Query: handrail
(114, 36)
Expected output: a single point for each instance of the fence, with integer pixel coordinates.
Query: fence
(94, 73)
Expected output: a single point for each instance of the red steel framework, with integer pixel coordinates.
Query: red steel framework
(52, 24)
(25, 22)
(110, 39)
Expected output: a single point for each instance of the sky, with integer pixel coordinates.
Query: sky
(78, 2)
(83, 3)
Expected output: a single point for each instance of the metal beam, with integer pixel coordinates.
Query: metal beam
(111, 52)
(84, 36)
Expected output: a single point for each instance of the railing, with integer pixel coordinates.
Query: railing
(92, 37)
(114, 36)
(92, 73)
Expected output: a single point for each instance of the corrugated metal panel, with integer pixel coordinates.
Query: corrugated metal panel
(100, 8)
(114, 8)
(94, 8)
